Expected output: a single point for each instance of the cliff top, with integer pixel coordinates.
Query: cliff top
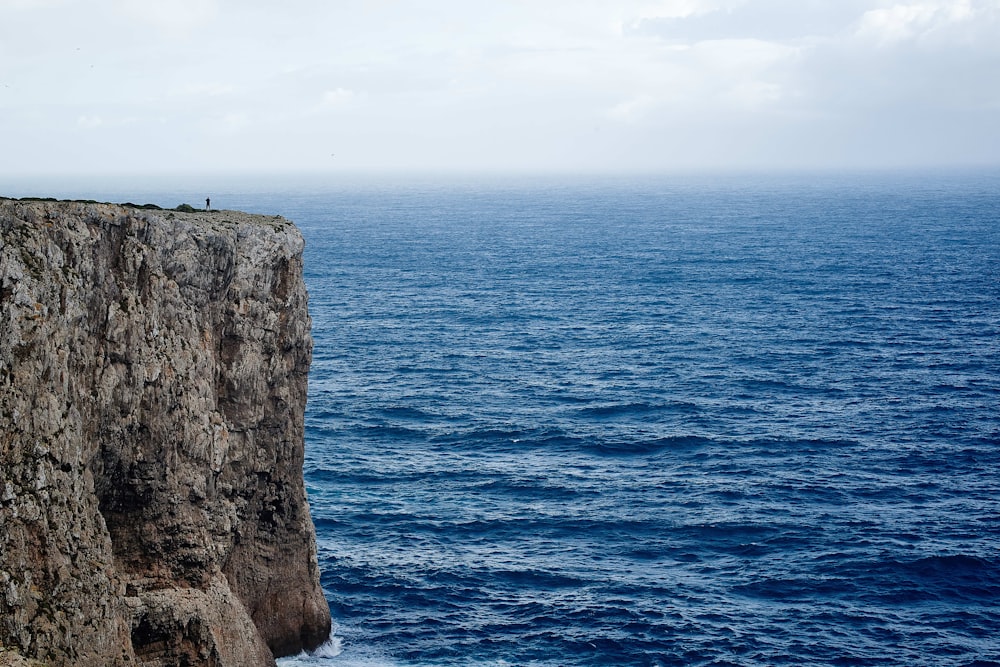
(213, 217)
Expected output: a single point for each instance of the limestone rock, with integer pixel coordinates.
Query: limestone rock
(153, 370)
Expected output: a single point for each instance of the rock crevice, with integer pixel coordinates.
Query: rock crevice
(153, 370)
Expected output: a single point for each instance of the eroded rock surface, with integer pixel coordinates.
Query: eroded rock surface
(153, 370)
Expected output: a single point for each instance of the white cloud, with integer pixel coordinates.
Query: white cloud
(89, 122)
(740, 56)
(205, 89)
(665, 9)
(887, 25)
(232, 122)
(28, 4)
(632, 110)
(514, 83)
(174, 17)
(755, 95)
(338, 98)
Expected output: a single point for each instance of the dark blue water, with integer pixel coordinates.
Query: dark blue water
(655, 422)
(702, 421)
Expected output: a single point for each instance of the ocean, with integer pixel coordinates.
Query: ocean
(663, 420)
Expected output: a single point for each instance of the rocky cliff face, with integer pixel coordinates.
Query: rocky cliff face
(153, 371)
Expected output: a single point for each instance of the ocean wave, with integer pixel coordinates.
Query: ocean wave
(324, 654)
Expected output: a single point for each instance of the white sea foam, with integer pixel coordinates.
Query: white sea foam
(329, 650)
(332, 652)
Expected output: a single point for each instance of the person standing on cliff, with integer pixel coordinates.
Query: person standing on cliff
(208, 204)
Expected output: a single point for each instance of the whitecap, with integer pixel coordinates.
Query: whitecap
(330, 649)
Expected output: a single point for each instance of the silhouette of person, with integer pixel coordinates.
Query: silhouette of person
(208, 204)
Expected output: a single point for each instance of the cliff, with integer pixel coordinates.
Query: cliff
(153, 370)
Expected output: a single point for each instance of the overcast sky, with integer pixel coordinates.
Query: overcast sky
(568, 85)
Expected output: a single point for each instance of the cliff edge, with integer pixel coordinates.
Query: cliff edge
(153, 370)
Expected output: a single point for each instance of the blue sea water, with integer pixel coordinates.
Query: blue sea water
(654, 421)
(658, 422)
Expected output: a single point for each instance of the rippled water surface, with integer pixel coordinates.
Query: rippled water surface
(657, 422)
(715, 421)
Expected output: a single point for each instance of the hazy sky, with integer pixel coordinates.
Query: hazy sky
(594, 85)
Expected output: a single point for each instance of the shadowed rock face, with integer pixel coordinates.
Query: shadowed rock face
(153, 370)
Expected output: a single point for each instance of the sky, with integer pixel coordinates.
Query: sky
(150, 86)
